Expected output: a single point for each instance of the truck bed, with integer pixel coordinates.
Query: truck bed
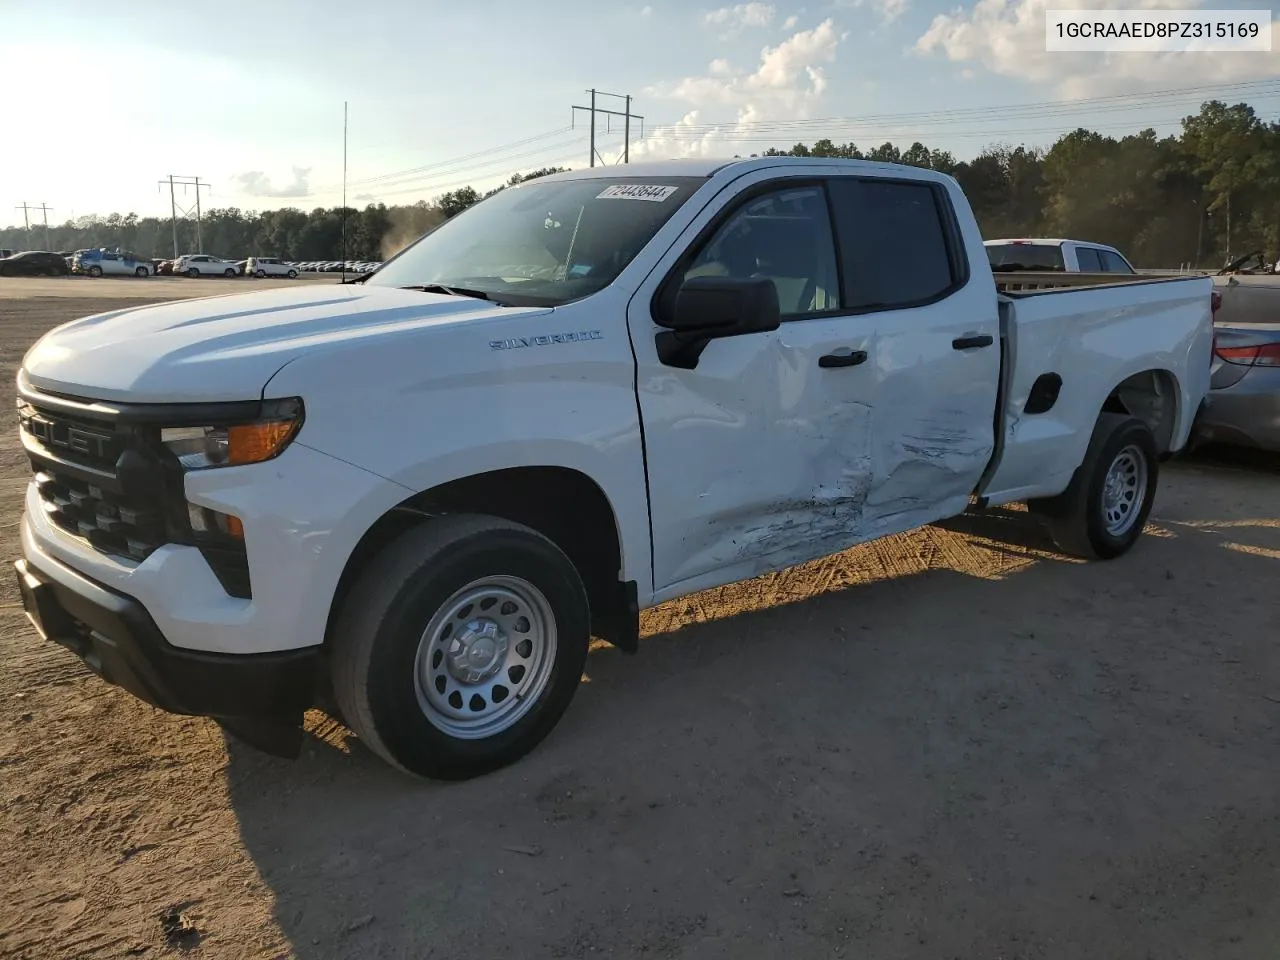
(1152, 333)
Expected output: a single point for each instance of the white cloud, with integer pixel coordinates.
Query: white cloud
(646, 11)
(787, 82)
(743, 15)
(1007, 38)
(888, 10)
(255, 183)
(790, 22)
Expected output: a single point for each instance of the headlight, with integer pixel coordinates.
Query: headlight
(232, 444)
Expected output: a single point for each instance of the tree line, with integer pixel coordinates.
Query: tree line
(1209, 192)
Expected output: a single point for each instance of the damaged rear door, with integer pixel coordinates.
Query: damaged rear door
(906, 248)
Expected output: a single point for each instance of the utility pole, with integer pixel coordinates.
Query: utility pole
(26, 219)
(44, 210)
(184, 182)
(626, 115)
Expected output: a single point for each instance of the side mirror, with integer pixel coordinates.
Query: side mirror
(707, 308)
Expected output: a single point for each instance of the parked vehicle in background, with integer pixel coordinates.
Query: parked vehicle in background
(1243, 405)
(270, 267)
(104, 262)
(675, 377)
(1072, 256)
(204, 265)
(33, 263)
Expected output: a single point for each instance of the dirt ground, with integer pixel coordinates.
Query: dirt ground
(950, 744)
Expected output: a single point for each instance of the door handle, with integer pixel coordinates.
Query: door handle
(850, 359)
(968, 343)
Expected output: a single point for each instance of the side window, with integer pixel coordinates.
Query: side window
(1113, 264)
(784, 236)
(1089, 259)
(897, 241)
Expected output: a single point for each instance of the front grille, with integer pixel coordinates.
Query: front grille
(75, 464)
(107, 520)
(103, 475)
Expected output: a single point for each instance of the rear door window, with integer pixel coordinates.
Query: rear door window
(1089, 260)
(896, 242)
(1112, 263)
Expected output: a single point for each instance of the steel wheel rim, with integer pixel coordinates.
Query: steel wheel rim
(485, 657)
(1124, 490)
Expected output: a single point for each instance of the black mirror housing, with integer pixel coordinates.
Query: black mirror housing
(707, 308)
(726, 306)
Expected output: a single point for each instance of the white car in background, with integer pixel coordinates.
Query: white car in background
(270, 267)
(1071, 256)
(204, 265)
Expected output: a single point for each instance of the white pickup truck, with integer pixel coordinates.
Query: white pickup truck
(591, 393)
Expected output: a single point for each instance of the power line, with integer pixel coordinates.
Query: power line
(470, 181)
(441, 165)
(1112, 103)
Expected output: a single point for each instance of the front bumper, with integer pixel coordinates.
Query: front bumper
(259, 697)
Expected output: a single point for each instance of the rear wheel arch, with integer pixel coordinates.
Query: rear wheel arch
(1154, 397)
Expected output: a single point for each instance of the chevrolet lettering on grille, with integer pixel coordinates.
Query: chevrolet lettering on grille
(66, 436)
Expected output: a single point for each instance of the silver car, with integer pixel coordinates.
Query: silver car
(1243, 405)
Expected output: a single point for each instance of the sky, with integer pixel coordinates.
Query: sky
(249, 97)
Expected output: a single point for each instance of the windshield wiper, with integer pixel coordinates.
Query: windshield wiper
(450, 291)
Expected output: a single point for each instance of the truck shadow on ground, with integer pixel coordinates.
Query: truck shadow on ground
(1050, 759)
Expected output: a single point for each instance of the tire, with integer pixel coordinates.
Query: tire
(229, 272)
(392, 675)
(293, 274)
(260, 274)
(95, 271)
(192, 272)
(1085, 520)
(141, 272)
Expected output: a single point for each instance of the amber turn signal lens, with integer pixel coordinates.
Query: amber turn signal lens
(255, 442)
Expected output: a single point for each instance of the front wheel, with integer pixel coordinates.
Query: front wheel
(460, 647)
(260, 274)
(293, 274)
(140, 272)
(229, 272)
(1102, 513)
(95, 271)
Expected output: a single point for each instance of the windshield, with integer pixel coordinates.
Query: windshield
(1026, 256)
(541, 244)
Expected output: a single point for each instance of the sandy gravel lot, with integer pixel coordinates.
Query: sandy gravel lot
(951, 744)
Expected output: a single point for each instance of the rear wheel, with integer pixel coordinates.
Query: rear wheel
(192, 272)
(1102, 513)
(460, 647)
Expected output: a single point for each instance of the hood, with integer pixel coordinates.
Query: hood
(228, 347)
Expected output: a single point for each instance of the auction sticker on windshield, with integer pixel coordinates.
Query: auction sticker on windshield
(636, 191)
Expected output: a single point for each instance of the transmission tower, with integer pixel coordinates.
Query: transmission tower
(184, 182)
(626, 115)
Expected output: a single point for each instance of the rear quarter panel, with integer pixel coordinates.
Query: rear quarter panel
(1094, 339)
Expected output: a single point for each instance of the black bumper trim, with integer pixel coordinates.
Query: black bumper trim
(116, 638)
